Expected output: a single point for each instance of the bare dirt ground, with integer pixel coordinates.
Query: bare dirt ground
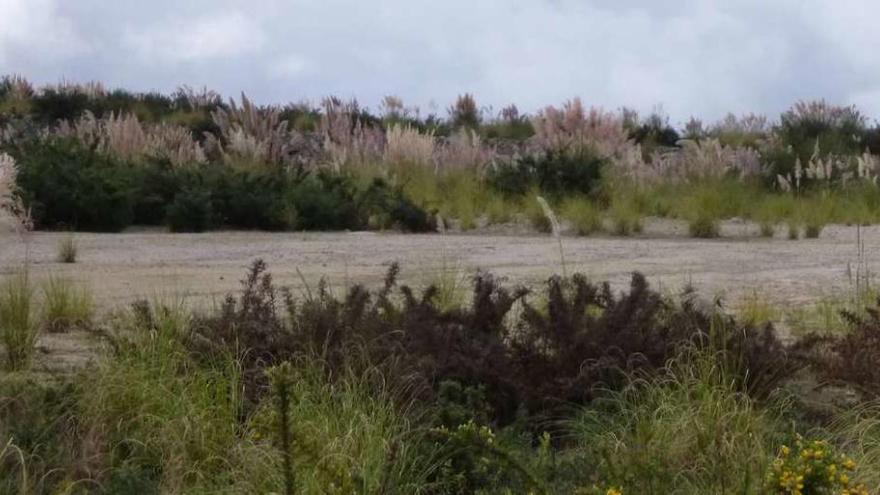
(203, 268)
(123, 267)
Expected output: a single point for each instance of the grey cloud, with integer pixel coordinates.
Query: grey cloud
(699, 58)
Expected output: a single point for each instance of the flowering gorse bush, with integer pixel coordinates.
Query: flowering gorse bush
(812, 467)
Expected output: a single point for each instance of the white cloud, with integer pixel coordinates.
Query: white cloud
(289, 66)
(218, 36)
(33, 28)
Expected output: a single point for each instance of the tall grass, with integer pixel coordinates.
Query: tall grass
(688, 431)
(18, 326)
(349, 433)
(166, 423)
(626, 218)
(67, 249)
(66, 306)
(584, 217)
(858, 432)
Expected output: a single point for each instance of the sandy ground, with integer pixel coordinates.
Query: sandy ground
(203, 268)
(123, 267)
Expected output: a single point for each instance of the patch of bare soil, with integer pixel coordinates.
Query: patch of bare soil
(121, 268)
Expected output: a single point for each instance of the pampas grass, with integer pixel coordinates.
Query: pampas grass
(406, 145)
(556, 230)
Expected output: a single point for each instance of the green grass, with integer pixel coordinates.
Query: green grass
(858, 431)
(167, 423)
(625, 217)
(18, 326)
(499, 210)
(350, 433)
(584, 217)
(66, 306)
(755, 308)
(689, 431)
(824, 315)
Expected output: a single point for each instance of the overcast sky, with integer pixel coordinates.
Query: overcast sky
(701, 58)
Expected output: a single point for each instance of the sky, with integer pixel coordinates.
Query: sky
(689, 58)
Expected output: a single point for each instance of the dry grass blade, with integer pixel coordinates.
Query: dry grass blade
(555, 229)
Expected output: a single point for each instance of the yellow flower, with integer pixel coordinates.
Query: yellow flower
(613, 491)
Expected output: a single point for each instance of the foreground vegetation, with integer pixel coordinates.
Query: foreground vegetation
(84, 157)
(570, 389)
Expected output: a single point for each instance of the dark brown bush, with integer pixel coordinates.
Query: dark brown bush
(852, 358)
(535, 361)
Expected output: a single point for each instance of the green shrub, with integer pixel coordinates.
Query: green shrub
(811, 124)
(157, 185)
(465, 112)
(249, 198)
(190, 211)
(324, 201)
(554, 173)
(67, 185)
(50, 105)
(385, 207)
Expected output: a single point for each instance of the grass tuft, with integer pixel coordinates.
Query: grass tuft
(66, 306)
(18, 327)
(583, 215)
(688, 431)
(67, 249)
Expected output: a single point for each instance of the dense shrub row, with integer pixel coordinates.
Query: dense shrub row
(192, 161)
(69, 186)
